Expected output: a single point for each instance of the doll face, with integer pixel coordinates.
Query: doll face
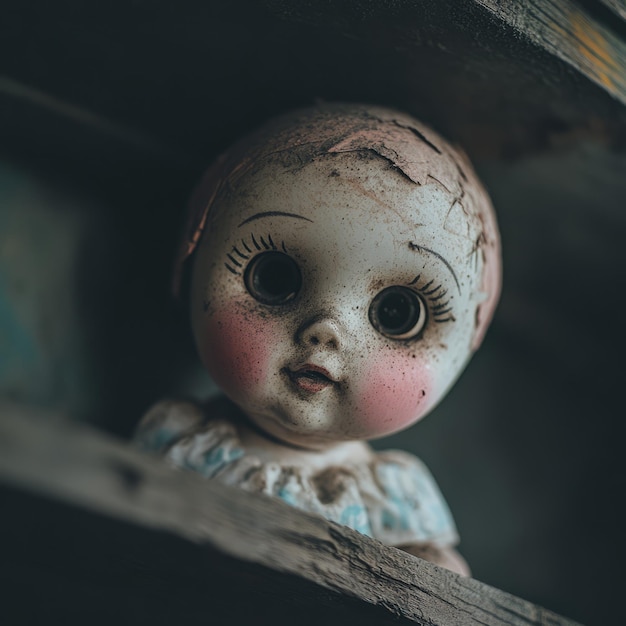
(338, 301)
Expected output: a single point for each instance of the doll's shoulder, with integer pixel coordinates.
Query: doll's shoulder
(400, 470)
(168, 421)
(407, 505)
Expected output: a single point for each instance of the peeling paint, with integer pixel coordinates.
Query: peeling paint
(331, 129)
(410, 148)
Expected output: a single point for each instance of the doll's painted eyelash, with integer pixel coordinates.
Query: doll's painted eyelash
(438, 303)
(237, 258)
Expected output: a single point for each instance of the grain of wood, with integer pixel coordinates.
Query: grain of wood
(617, 6)
(75, 465)
(565, 30)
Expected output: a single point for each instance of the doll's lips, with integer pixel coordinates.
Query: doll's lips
(311, 378)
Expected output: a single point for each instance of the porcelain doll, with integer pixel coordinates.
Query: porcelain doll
(344, 266)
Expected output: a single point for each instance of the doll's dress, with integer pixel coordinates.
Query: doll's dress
(391, 497)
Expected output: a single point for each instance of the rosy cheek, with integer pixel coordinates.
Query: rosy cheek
(235, 349)
(395, 393)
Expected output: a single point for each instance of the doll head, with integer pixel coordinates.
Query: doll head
(345, 267)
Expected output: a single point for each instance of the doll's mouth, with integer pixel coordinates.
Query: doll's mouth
(310, 378)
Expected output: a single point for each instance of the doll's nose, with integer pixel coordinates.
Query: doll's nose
(324, 331)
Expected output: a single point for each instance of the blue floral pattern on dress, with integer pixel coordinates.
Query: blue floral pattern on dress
(392, 498)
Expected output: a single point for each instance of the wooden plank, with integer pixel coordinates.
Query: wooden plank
(123, 574)
(563, 28)
(567, 31)
(617, 6)
(69, 464)
(82, 117)
(489, 75)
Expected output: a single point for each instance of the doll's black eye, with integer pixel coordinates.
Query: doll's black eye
(273, 278)
(398, 313)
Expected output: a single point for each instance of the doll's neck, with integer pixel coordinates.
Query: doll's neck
(268, 449)
(273, 450)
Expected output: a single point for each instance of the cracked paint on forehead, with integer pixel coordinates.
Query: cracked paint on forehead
(416, 152)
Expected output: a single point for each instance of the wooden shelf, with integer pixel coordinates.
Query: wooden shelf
(174, 85)
(95, 532)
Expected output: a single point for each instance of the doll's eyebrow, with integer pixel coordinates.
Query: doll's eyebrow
(258, 216)
(417, 248)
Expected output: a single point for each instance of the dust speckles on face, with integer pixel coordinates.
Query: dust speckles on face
(349, 247)
(393, 394)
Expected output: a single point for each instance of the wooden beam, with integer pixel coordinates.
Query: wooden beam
(497, 76)
(617, 6)
(567, 31)
(56, 463)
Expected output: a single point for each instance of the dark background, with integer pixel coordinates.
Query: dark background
(107, 119)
